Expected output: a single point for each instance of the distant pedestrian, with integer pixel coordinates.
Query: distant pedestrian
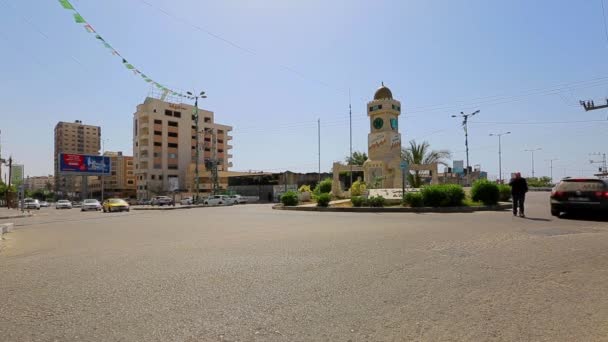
(519, 187)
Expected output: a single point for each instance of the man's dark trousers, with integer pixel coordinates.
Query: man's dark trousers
(518, 202)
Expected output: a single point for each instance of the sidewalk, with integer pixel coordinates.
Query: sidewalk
(6, 213)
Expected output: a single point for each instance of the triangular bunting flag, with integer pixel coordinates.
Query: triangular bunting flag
(78, 18)
(129, 66)
(66, 4)
(90, 29)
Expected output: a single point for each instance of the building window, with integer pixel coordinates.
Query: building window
(157, 166)
(160, 177)
(207, 119)
(172, 145)
(154, 110)
(130, 182)
(220, 141)
(113, 173)
(220, 131)
(193, 127)
(156, 154)
(156, 143)
(172, 155)
(158, 133)
(172, 167)
(194, 147)
(207, 139)
(194, 137)
(152, 177)
(168, 112)
(177, 114)
(172, 134)
(207, 149)
(220, 150)
(172, 123)
(158, 122)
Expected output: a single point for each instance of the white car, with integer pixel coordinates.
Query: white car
(44, 204)
(186, 201)
(63, 204)
(30, 203)
(237, 199)
(218, 200)
(90, 204)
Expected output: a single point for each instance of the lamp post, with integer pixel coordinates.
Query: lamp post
(532, 151)
(103, 151)
(196, 173)
(551, 168)
(499, 135)
(465, 121)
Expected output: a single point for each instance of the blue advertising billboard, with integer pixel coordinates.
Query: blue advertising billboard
(84, 164)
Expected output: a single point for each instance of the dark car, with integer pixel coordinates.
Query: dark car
(579, 195)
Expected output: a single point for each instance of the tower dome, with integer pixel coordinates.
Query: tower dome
(383, 93)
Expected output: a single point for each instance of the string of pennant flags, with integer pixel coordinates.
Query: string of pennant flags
(79, 19)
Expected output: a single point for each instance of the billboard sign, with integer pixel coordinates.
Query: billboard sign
(84, 164)
(16, 174)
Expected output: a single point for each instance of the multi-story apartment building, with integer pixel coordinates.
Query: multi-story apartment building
(40, 183)
(164, 147)
(74, 137)
(121, 181)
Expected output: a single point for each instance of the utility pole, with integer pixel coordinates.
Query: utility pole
(319, 142)
(465, 121)
(532, 151)
(350, 122)
(499, 135)
(603, 169)
(10, 174)
(197, 153)
(551, 168)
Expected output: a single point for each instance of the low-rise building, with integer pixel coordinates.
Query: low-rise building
(40, 183)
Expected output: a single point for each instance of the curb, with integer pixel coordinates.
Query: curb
(171, 208)
(15, 216)
(499, 207)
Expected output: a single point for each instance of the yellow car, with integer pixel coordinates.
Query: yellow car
(115, 204)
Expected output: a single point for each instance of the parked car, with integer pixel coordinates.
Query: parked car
(90, 204)
(132, 201)
(218, 200)
(77, 204)
(63, 204)
(579, 195)
(237, 199)
(144, 202)
(30, 203)
(44, 204)
(162, 200)
(186, 201)
(115, 204)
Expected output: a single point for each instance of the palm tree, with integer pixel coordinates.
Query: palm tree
(358, 158)
(421, 154)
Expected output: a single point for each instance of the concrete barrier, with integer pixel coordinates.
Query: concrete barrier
(6, 227)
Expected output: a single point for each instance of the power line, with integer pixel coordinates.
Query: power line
(535, 122)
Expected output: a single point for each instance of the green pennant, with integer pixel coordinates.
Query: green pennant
(78, 18)
(66, 4)
(129, 66)
(147, 80)
(107, 45)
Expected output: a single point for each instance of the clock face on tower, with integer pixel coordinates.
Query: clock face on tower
(378, 123)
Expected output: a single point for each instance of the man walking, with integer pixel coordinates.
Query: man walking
(519, 187)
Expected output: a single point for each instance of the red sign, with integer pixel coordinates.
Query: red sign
(74, 161)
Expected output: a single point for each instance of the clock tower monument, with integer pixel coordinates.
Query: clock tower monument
(382, 168)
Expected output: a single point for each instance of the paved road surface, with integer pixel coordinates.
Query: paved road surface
(247, 273)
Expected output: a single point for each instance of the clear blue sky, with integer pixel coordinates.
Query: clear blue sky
(517, 61)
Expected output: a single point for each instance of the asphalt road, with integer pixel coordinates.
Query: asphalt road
(248, 273)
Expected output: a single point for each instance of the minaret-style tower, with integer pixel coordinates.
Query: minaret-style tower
(384, 140)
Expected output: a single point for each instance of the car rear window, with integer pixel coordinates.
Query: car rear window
(581, 185)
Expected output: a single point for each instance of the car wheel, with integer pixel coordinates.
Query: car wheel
(555, 212)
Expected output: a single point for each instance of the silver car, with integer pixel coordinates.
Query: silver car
(90, 204)
(63, 204)
(30, 203)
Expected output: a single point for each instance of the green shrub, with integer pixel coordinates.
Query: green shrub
(323, 187)
(443, 195)
(323, 200)
(357, 201)
(305, 188)
(376, 201)
(505, 193)
(290, 198)
(358, 188)
(485, 191)
(413, 199)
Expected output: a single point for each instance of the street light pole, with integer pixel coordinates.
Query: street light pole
(499, 135)
(196, 173)
(465, 121)
(551, 168)
(532, 151)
